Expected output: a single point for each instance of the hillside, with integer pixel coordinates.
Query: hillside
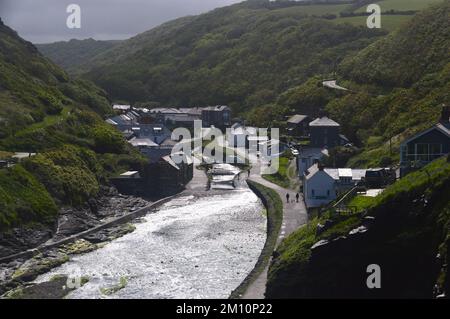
(243, 55)
(404, 231)
(42, 110)
(267, 59)
(401, 82)
(72, 55)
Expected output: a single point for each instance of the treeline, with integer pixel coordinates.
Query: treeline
(345, 14)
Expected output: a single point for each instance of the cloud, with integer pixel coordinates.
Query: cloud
(42, 21)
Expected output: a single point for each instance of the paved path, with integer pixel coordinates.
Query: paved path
(332, 85)
(294, 216)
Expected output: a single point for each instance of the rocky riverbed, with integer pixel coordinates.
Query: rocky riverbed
(108, 205)
(191, 247)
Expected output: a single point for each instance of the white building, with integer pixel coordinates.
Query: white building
(319, 187)
(121, 107)
(308, 156)
(323, 185)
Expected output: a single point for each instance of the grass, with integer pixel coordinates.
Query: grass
(319, 9)
(429, 176)
(402, 5)
(295, 250)
(388, 22)
(49, 120)
(286, 174)
(274, 210)
(361, 202)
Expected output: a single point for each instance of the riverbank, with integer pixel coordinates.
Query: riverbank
(17, 271)
(184, 250)
(97, 211)
(274, 208)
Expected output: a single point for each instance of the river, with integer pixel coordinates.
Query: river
(192, 247)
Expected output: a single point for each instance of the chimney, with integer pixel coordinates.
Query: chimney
(445, 115)
(320, 166)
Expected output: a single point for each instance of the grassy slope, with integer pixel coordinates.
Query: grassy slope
(411, 223)
(402, 5)
(401, 81)
(43, 110)
(242, 55)
(73, 54)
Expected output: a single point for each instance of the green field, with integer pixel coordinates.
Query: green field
(318, 9)
(402, 5)
(388, 22)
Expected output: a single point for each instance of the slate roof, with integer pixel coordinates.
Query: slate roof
(142, 142)
(324, 121)
(297, 118)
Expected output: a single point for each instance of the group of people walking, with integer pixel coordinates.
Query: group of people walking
(297, 196)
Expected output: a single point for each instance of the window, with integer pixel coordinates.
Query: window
(313, 192)
(435, 151)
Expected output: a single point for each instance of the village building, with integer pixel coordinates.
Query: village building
(217, 116)
(426, 146)
(237, 135)
(121, 108)
(308, 156)
(324, 132)
(298, 125)
(161, 176)
(323, 185)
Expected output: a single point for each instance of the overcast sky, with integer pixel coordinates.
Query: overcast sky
(43, 21)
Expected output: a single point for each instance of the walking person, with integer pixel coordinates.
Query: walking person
(297, 196)
(287, 198)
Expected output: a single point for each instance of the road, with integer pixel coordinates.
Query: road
(294, 216)
(332, 85)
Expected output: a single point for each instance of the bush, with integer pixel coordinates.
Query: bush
(108, 140)
(23, 199)
(69, 174)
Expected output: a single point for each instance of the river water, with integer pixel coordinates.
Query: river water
(192, 247)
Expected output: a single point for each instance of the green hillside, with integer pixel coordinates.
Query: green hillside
(401, 82)
(403, 231)
(73, 54)
(42, 110)
(242, 55)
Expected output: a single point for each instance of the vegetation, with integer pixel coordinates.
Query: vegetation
(401, 82)
(42, 110)
(361, 202)
(242, 55)
(267, 60)
(411, 220)
(73, 54)
(286, 172)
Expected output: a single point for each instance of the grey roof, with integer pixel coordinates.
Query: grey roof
(217, 108)
(336, 173)
(440, 127)
(142, 142)
(306, 152)
(324, 121)
(313, 170)
(297, 118)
